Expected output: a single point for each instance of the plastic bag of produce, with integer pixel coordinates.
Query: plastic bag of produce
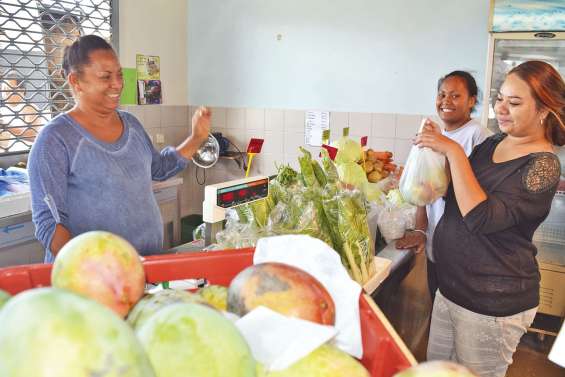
(424, 179)
(303, 214)
(199, 233)
(237, 235)
(387, 184)
(409, 212)
(373, 193)
(373, 218)
(284, 218)
(329, 167)
(392, 223)
(347, 217)
(394, 199)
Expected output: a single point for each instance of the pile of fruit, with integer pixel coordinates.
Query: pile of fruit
(96, 320)
(377, 165)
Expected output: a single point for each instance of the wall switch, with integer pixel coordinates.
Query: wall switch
(159, 138)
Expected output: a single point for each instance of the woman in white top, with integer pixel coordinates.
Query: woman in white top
(455, 101)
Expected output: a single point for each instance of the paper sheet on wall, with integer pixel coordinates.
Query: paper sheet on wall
(314, 125)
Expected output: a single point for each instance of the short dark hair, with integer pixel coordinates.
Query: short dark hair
(470, 84)
(77, 54)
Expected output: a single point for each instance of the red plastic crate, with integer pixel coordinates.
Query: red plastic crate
(384, 352)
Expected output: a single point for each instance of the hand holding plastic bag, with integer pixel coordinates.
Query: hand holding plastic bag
(424, 179)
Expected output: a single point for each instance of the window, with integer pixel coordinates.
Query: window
(33, 34)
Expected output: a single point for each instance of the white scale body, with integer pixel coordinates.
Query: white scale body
(221, 196)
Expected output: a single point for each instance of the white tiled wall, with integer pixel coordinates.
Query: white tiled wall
(283, 131)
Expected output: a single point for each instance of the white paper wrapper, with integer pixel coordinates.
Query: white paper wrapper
(321, 261)
(277, 341)
(557, 354)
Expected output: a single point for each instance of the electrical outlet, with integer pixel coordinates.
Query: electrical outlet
(159, 138)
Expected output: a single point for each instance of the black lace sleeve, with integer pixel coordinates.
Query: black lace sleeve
(523, 199)
(542, 173)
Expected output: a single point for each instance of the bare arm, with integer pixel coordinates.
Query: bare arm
(468, 191)
(200, 131)
(60, 238)
(421, 219)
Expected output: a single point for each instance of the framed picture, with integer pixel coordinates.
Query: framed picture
(149, 92)
(148, 67)
(527, 15)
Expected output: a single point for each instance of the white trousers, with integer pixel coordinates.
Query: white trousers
(482, 343)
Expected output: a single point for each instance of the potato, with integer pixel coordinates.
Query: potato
(368, 166)
(374, 176)
(378, 165)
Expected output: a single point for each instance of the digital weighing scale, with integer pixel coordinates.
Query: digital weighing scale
(221, 196)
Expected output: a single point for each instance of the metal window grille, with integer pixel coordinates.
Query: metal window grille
(33, 34)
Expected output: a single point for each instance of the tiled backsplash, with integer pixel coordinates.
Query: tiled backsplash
(283, 131)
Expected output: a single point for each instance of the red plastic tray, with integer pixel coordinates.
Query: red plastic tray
(384, 352)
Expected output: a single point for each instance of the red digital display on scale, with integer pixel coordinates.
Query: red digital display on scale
(228, 197)
(242, 193)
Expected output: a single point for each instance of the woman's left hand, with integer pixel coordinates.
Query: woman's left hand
(432, 138)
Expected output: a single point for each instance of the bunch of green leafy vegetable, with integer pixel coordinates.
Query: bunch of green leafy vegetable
(313, 202)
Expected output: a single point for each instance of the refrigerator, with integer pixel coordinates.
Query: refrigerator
(505, 51)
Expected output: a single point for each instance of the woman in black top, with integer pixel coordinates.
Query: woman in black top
(488, 275)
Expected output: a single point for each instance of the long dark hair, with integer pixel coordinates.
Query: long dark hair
(548, 89)
(76, 55)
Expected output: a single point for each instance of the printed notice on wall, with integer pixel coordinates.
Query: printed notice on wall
(148, 67)
(314, 125)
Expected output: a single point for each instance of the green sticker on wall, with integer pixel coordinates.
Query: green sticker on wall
(129, 92)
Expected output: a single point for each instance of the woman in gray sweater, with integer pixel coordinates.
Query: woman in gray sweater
(92, 167)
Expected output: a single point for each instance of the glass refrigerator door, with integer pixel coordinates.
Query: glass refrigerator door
(509, 50)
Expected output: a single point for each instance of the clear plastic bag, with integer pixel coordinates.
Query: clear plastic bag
(410, 216)
(392, 223)
(424, 179)
(373, 218)
(199, 233)
(237, 235)
(346, 214)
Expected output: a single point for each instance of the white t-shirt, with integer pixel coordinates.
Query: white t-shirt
(468, 136)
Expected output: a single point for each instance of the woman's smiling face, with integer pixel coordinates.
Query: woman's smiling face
(453, 102)
(100, 82)
(516, 109)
